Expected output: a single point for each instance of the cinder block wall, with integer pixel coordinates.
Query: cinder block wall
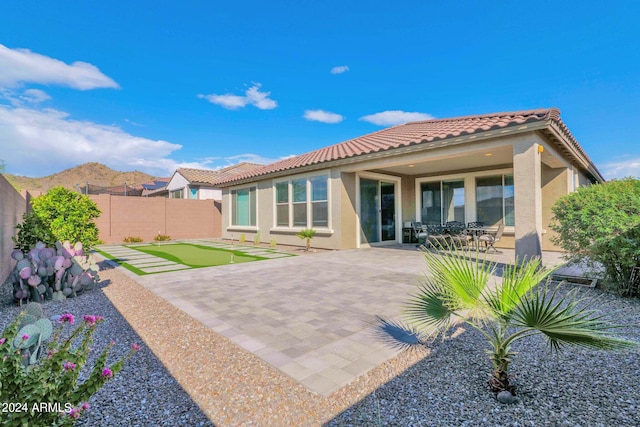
(12, 207)
(145, 217)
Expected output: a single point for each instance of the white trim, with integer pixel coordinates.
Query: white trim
(397, 181)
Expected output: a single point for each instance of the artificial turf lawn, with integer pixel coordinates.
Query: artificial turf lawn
(194, 255)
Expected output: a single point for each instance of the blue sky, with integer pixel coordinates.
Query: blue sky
(155, 85)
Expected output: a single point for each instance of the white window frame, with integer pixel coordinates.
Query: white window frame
(309, 203)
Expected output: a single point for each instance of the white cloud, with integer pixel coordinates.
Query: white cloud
(339, 69)
(322, 116)
(395, 117)
(38, 143)
(252, 96)
(622, 169)
(34, 96)
(254, 158)
(23, 66)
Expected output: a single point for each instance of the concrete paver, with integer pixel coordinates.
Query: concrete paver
(309, 316)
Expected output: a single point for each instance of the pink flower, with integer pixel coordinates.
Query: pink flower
(135, 347)
(75, 413)
(69, 366)
(107, 373)
(85, 406)
(91, 319)
(2, 340)
(25, 337)
(67, 317)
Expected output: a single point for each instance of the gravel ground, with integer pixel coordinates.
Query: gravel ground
(186, 375)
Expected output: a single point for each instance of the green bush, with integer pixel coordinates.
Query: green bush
(59, 215)
(600, 225)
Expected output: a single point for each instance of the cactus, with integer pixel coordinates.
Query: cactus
(44, 272)
(33, 331)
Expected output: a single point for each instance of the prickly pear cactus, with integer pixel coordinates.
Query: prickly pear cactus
(52, 273)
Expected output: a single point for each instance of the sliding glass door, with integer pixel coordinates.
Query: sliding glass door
(377, 211)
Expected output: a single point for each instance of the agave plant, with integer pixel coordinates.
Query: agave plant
(459, 290)
(307, 234)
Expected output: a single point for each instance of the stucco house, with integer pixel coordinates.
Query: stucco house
(497, 168)
(199, 184)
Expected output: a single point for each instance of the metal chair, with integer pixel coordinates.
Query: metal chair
(490, 238)
(420, 232)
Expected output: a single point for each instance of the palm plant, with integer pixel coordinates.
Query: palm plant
(308, 234)
(460, 290)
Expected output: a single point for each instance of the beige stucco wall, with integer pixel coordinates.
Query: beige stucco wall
(555, 184)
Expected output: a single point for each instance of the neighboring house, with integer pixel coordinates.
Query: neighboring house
(188, 183)
(502, 167)
(155, 187)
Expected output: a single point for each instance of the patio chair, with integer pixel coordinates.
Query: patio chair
(458, 234)
(436, 236)
(475, 229)
(420, 232)
(490, 238)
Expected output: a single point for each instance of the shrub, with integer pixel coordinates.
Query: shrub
(59, 215)
(273, 243)
(53, 381)
(307, 234)
(256, 239)
(131, 239)
(162, 238)
(242, 238)
(600, 225)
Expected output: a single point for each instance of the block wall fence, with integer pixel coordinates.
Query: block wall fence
(146, 217)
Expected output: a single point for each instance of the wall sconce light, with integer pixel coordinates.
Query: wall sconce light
(540, 149)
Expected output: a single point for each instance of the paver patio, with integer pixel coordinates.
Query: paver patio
(308, 316)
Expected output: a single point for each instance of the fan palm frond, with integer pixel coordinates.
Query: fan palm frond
(566, 321)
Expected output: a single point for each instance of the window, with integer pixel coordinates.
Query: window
(282, 204)
(176, 194)
(494, 200)
(302, 202)
(193, 193)
(319, 202)
(243, 206)
(442, 201)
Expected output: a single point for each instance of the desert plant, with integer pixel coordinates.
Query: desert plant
(48, 392)
(600, 226)
(273, 243)
(59, 215)
(45, 273)
(256, 239)
(162, 238)
(458, 290)
(307, 234)
(241, 240)
(132, 239)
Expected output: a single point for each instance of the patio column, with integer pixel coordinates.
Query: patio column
(528, 198)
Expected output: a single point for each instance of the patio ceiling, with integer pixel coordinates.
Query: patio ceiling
(472, 160)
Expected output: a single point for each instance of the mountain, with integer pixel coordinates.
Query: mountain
(93, 173)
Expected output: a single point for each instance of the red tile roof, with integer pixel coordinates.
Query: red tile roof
(408, 134)
(210, 176)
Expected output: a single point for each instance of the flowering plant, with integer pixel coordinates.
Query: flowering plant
(48, 392)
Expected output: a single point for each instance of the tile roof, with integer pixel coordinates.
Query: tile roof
(210, 176)
(408, 134)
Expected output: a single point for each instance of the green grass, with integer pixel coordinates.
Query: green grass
(194, 255)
